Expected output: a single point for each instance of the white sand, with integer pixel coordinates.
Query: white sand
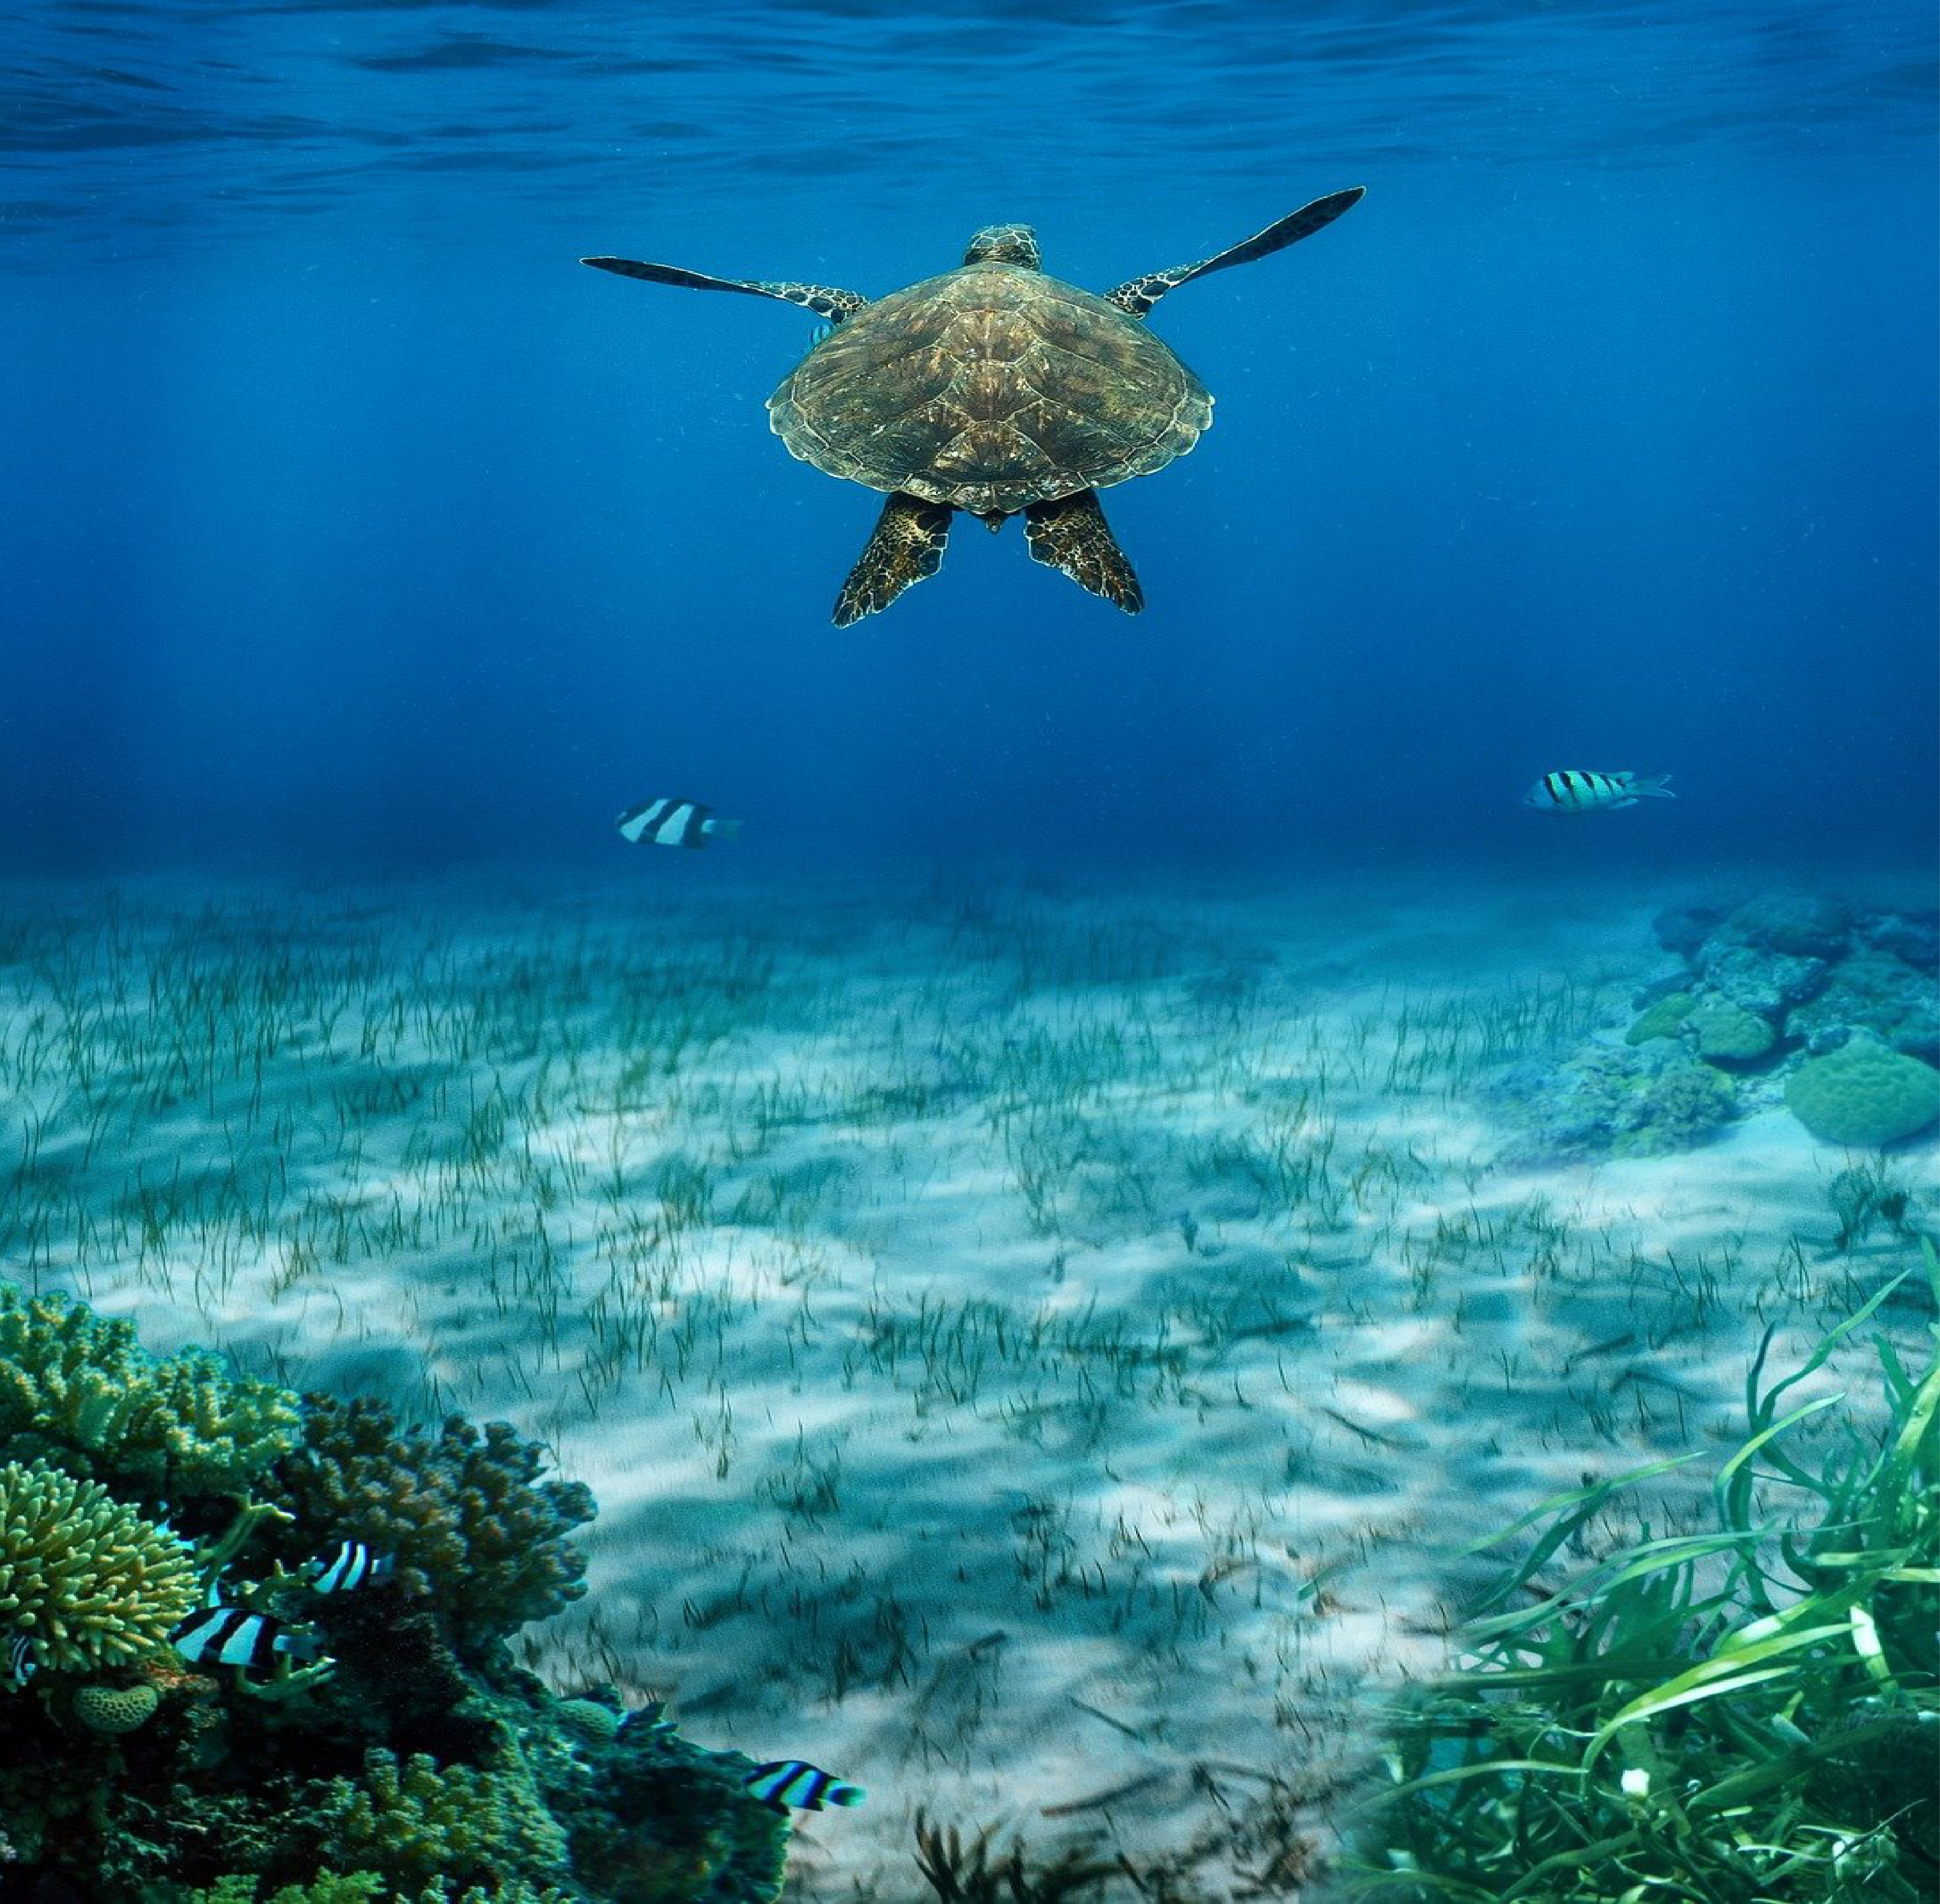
(1027, 1348)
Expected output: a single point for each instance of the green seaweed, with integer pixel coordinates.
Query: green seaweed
(1746, 1713)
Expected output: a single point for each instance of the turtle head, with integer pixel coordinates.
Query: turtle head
(1003, 244)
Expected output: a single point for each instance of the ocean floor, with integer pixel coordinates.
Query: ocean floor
(1038, 1352)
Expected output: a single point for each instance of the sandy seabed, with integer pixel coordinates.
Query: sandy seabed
(1039, 1352)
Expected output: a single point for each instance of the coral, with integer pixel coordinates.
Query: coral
(1660, 1020)
(360, 1887)
(465, 1517)
(1913, 936)
(203, 1431)
(1872, 991)
(1794, 926)
(660, 1821)
(419, 1822)
(68, 1378)
(77, 1389)
(1611, 1101)
(87, 1578)
(1729, 1034)
(419, 1764)
(1766, 983)
(113, 1709)
(1864, 1096)
(587, 1719)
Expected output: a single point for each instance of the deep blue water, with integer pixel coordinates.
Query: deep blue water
(347, 524)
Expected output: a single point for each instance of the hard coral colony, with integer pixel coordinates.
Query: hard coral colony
(154, 1509)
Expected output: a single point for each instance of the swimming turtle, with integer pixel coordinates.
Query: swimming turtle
(994, 388)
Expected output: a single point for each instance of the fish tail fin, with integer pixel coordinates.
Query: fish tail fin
(721, 829)
(1653, 786)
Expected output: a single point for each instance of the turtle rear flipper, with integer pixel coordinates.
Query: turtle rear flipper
(1138, 295)
(1072, 534)
(824, 299)
(907, 547)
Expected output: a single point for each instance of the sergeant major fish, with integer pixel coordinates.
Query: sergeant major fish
(675, 823)
(352, 1566)
(227, 1636)
(793, 1781)
(1573, 791)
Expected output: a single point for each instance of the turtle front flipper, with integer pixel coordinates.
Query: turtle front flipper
(1072, 534)
(824, 299)
(1138, 295)
(907, 547)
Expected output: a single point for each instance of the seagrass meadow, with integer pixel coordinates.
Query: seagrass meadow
(1056, 1021)
(1052, 1359)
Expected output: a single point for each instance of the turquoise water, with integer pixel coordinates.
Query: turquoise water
(1048, 1243)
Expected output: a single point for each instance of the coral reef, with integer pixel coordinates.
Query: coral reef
(415, 1762)
(1864, 1096)
(464, 1516)
(86, 1580)
(415, 1823)
(1767, 995)
(77, 1389)
(1729, 1034)
(1611, 1101)
(1660, 1018)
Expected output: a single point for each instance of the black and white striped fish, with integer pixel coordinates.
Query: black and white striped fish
(352, 1566)
(673, 822)
(1573, 791)
(783, 1782)
(23, 1663)
(227, 1636)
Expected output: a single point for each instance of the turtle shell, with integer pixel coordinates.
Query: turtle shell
(990, 387)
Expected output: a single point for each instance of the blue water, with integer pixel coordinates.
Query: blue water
(348, 525)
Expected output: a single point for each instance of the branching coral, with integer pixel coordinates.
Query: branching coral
(69, 1380)
(201, 1430)
(77, 1389)
(464, 1515)
(417, 1822)
(84, 1578)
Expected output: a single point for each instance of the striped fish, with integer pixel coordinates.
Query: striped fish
(1573, 791)
(352, 1566)
(674, 823)
(21, 1661)
(227, 1636)
(783, 1782)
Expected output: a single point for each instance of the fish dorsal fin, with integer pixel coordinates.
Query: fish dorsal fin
(1138, 295)
(826, 300)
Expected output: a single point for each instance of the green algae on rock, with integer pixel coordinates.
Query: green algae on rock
(1864, 1096)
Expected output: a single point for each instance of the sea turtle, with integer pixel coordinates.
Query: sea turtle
(995, 388)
